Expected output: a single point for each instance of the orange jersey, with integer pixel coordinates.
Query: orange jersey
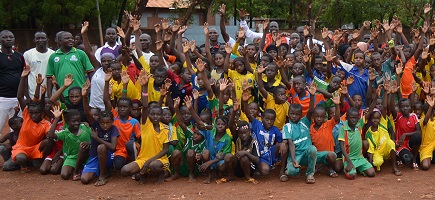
(322, 138)
(127, 129)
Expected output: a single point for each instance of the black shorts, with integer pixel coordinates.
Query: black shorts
(238, 171)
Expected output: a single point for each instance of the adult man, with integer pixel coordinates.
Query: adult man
(68, 60)
(37, 59)
(11, 65)
(111, 46)
(213, 37)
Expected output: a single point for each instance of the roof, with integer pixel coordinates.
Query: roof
(166, 3)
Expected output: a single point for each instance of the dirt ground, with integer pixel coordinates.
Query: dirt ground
(412, 185)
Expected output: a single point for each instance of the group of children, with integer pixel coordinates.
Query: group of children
(238, 110)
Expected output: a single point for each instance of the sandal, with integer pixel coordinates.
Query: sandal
(415, 166)
(310, 179)
(76, 177)
(101, 182)
(283, 178)
(333, 174)
(251, 180)
(222, 180)
(25, 170)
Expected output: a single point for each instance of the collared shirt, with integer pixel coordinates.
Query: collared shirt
(360, 84)
(106, 48)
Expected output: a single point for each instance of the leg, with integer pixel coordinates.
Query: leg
(176, 159)
(157, 167)
(414, 143)
(263, 168)
(338, 165)
(130, 146)
(66, 172)
(191, 161)
(283, 156)
(206, 157)
(81, 159)
(56, 167)
(5, 152)
(45, 167)
(118, 162)
(349, 174)
(311, 152)
(86, 178)
(365, 147)
(102, 160)
(22, 160)
(10, 165)
(46, 147)
(425, 164)
(37, 162)
(370, 172)
(245, 163)
(7, 106)
(130, 168)
(230, 163)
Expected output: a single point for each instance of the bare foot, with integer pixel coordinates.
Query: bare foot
(160, 179)
(173, 177)
(207, 180)
(101, 182)
(191, 178)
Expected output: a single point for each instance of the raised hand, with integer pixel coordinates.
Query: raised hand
(182, 29)
(188, 101)
(312, 88)
(399, 68)
(430, 100)
(355, 34)
(385, 25)
(366, 23)
(85, 87)
(266, 24)
(168, 36)
(245, 85)
(425, 27)
(228, 48)
(425, 53)
(350, 80)
(427, 8)
(261, 69)
(120, 32)
(241, 33)
(195, 94)
(246, 95)
(159, 45)
(223, 84)
(85, 26)
(236, 105)
(168, 83)
(373, 33)
(432, 38)
(206, 29)
(426, 87)
(372, 74)
(68, 80)
(279, 61)
(108, 75)
(343, 90)
(125, 78)
(325, 33)
(306, 50)
(43, 89)
(186, 47)
(192, 45)
(222, 10)
(306, 31)
(136, 25)
(414, 86)
(278, 41)
(57, 112)
(39, 79)
(328, 56)
(176, 102)
(336, 98)
(393, 86)
(306, 58)
(165, 23)
(26, 71)
(157, 28)
(243, 13)
(176, 26)
(200, 65)
(163, 91)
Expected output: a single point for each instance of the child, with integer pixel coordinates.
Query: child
(277, 102)
(240, 74)
(351, 146)
(247, 151)
(74, 137)
(122, 85)
(361, 76)
(152, 157)
(271, 145)
(103, 144)
(301, 96)
(322, 137)
(427, 143)
(15, 123)
(128, 127)
(30, 142)
(136, 109)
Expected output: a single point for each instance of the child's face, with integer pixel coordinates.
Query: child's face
(74, 123)
(205, 117)
(418, 109)
(154, 62)
(95, 113)
(227, 94)
(358, 101)
(299, 85)
(273, 53)
(186, 76)
(17, 125)
(48, 105)
(105, 123)
(35, 114)
(220, 126)
(279, 96)
(124, 108)
(376, 61)
(379, 104)
(116, 70)
(407, 52)
(359, 59)
(376, 118)
(251, 50)
(135, 110)
(335, 83)
(167, 116)
(155, 114)
(295, 115)
(219, 59)
(265, 60)
(318, 64)
(200, 83)
(367, 62)
(284, 50)
(299, 57)
(253, 109)
(240, 67)
(74, 97)
(352, 118)
(432, 71)
(185, 114)
(197, 137)
(331, 112)
(175, 68)
(268, 119)
(159, 78)
(298, 69)
(271, 71)
(319, 117)
(341, 74)
(244, 134)
(405, 107)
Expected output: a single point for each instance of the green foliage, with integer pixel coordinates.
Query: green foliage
(56, 13)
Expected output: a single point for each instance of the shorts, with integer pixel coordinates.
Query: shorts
(56, 147)
(164, 161)
(269, 157)
(427, 151)
(379, 155)
(31, 152)
(238, 171)
(93, 165)
(360, 164)
(321, 157)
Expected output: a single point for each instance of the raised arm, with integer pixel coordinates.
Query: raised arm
(144, 79)
(66, 83)
(312, 90)
(201, 124)
(106, 95)
(200, 65)
(261, 89)
(222, 23)
(87, 46)
(57, 113)
(22, 87)
(246, 95)
(431, 101)
(207, 44)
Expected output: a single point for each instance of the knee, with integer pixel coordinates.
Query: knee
(425, 164)
(21, 159)
(228, 158)
(332, 157)
(206, 154)
(102, 149)
(3, 149)
(43, 170)
(54, 171)
(129, 145)
(292, 171)
(264, 169)
(312, 151)
(85, 180)
(370, 172)
(118, 162)
(65, 175)
(244, 159)
(177, 153)
(190, 153)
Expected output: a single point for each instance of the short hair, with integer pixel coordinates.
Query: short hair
(300, 77)
(58, 36)
(241, 124)
(161, 70)
(352, 110)
(13, 120)
(269, 57)
(128, 100)
(108, 54)
(223, 118)
(136, 101)
(402, 100)
(71, 89)
(375, 54)
(269, 111)
(294, 106)
(320, 108)
(68, 114)
(278, 87)
(36, 104)
(106, 113)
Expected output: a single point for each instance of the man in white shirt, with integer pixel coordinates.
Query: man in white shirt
(37, 59)
(111, 46)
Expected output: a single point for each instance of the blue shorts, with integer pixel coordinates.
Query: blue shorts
(93, 166)
(269, 157)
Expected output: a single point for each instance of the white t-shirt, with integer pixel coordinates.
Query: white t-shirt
(97, 88)
(38, 65)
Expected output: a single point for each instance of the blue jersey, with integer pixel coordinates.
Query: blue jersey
(202, 99)
(266, 139)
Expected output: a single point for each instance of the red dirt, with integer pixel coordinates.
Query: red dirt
(412, 185)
